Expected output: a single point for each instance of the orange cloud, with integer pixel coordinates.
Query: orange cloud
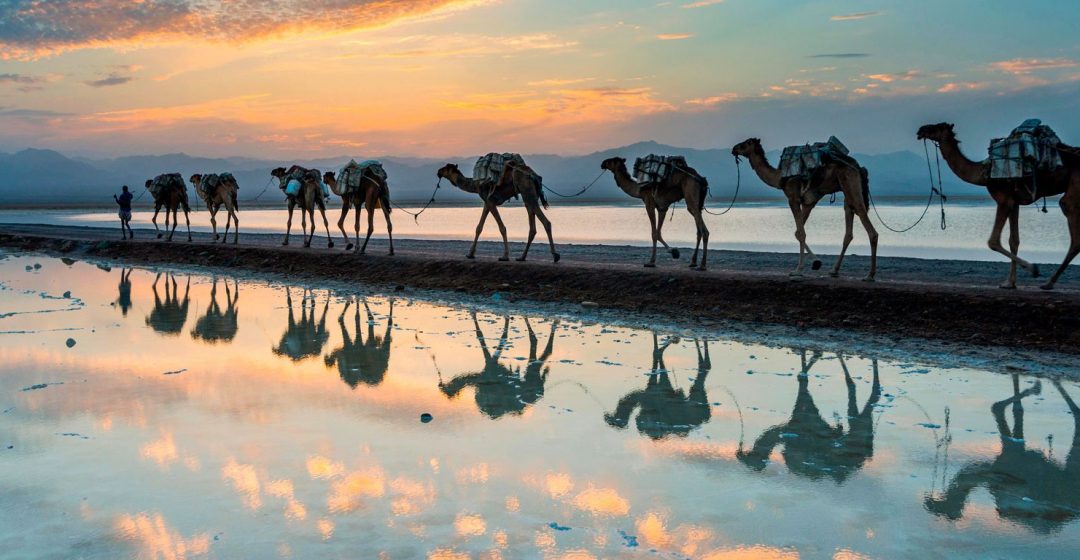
(1029, 65)
(674, 36)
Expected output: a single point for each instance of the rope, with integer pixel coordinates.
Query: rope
(416, 216)
(268, 183)
(577, 194)
(930, 200)
(144, 191)
(738, 184)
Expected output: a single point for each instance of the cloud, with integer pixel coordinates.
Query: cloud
(110, 80)
(953, 87)
(712, 100)
(20, 79)
(896, 77)
(1029, 65)
(840, 55)
(855, 16)
(702, 4)
(462, 45)
(674, 36)
(35, 28)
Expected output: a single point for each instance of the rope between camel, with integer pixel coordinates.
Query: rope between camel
(934, 190)
(557, 193)
(416, 216)
(738, 184)
(258, 196)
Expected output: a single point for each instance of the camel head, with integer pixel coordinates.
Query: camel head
(613, 164)
(149, 182)
(936, 132)
(448, 171)
(278, 172)
(329, 178)
(196, 179)
(747, 147)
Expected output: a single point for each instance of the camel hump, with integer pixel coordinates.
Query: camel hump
(655, 168)
(803, 161)
(1029, 148)
(492, 166)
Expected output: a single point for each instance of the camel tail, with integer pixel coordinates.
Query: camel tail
(864, 175)
(540, 191)
(235, 202)
(384, 199)
(704, 191)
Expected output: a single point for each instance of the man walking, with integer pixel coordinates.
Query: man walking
(124, 201)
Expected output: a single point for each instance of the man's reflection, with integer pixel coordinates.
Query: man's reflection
(1028, 487)
(358, 360)
(123, 299)
(665, 410)
(304, 338)
(218, 325)
(499, 389)
(813, 448)
(169, 316)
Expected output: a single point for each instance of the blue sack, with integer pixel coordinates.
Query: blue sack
(292, 188)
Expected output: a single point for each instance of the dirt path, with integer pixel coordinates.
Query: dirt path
(952, 301)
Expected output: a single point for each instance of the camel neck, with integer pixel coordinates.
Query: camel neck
(464, 183)
(765, 171)
(968, 171)
(626, 182)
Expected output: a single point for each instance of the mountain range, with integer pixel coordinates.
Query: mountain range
(47, 177)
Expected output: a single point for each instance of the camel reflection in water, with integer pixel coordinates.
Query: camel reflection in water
(123, 298)
(169, 316)
(1028, 487)
(812, 447)
(501, 390)
(304, 338)
(665, 410)
(219, 325)
(359, 360)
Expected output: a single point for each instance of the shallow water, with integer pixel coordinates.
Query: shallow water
(756, 227)
(229, 418)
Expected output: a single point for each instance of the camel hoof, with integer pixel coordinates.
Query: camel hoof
(306, 245)
(816, 265)
(520, 259)
(869, 279)
(160, 235)
(795, 274)
(556, 257)
(650, 265)
(349, 247)
(504, 259)
(216, 237)
(285, 243)
(693, 264)
(1034, 270)
(1047, 286)
(675, 253)
(1007, 286)
(700, 268)
(470, 256)
(330, 244)
(1036, 388)
(391, 253)
(834, 274)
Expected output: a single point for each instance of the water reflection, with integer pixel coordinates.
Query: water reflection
(219, 325)
(501, 390)
(123, 298)
(304, 338)
(812, 447)
(359, 360)
(170, 314)
(1028, 487)
(665, 410)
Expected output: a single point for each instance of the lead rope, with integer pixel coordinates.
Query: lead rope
(738, 184)
(557, 193)
(258, 196)
(416, 216)
(930, 200)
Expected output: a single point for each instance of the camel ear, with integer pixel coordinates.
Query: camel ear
(951, 126)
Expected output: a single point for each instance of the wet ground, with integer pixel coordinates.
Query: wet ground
(153, 413)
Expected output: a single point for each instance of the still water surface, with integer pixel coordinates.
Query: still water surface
(750, 227)
(201, 417)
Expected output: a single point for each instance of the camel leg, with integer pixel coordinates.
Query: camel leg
(303, 225)
(1004, 213)
(651, 211)
(165, 232)
(849, 221)
(532, 233)
(479, 230)
(872, 234)
(800, 235)
(660, 234)
(544, 221)
(341, 223)
(703, 235)
(1071, 209)
(502, 231)
(187, 221)
(288, 225)
(389, 229)
(356, 229)
(213, 220)
(157, 210)
(326, 225)
(370, 226)
(175, 222)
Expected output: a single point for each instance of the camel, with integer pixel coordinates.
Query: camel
(812, 447)
(1028, 487)
(832, 177)
(123, 298)
(665, 410)
(309, 198)
(172, 197)
(515, 180)
(306, 338)
(1010, 194)
(499, 389)
(217, 325)
(224, 194)
(683, 184)
(358, 360)
(374, 193)
(169, 316)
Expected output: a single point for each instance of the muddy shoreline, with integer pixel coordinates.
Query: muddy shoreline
(947, 313)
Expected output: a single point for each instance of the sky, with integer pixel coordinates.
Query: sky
(281, 78)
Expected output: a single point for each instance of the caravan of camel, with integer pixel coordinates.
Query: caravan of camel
(806, 175)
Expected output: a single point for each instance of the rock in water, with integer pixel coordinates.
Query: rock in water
(70, 342)
(426, 417)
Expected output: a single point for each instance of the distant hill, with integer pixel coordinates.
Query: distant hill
(35, 176)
